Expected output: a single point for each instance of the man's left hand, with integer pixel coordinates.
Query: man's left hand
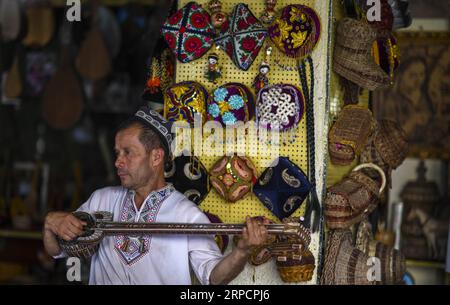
(253, 235)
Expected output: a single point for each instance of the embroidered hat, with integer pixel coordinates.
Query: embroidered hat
(297, 30)
(280, 107)
(159, 124)
(242, 36)
(233, 177)
(189, 32)
(183, 100)
(188, 176)
(282, 188)
(231, 103)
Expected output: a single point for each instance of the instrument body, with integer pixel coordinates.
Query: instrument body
(100, 224)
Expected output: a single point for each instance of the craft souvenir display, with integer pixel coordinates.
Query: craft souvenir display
(214, 71)
(344, 264)
(280, 107)
(233, 177)
(295, 34)
(221, 240)
(188, 176)
(41, 24)
(350, 200)
(217, 16)
(231, 103)
(282, 188)
(189, 32)
(183, 100)
(350, 133)
(392, 261)
(353, 55)
(241, 36)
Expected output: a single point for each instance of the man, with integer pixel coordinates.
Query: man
(142, 146)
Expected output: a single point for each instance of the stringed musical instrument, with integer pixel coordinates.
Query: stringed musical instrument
(99, 224)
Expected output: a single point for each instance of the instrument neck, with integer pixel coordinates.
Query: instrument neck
(177, 228)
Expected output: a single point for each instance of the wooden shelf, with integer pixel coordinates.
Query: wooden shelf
(23, 234)
(424, 264)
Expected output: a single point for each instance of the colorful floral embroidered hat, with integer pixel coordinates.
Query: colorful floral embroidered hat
(188, 176)
(242, 36)
(231, 103)
(189, 32)
(296, 32)
(233, 177)
(280, 107)
(183, 100)
(282, 188)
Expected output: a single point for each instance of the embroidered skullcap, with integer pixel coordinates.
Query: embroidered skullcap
(158, 124)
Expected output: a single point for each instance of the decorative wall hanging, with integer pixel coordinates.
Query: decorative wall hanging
(350, 133)
(188, 176)
(233, 177)
(351, 199)
(353, 55)
(282, 188)
(242, 36)
(231, 103)
(189, 32)
(183, 100)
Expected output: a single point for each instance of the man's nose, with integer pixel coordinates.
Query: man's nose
(119, 162)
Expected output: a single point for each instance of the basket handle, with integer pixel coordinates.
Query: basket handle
(378, 169)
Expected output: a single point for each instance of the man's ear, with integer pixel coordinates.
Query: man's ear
(157, 156)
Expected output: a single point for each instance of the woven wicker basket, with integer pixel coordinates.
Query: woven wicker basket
(350, 133)
(357, 195)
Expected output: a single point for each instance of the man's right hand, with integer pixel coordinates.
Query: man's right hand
(64, 225)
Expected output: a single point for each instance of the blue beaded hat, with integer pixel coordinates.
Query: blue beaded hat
(282, 188)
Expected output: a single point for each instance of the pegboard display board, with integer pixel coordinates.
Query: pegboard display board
(296, 151)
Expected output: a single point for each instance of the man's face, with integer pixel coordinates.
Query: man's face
(133, 162)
